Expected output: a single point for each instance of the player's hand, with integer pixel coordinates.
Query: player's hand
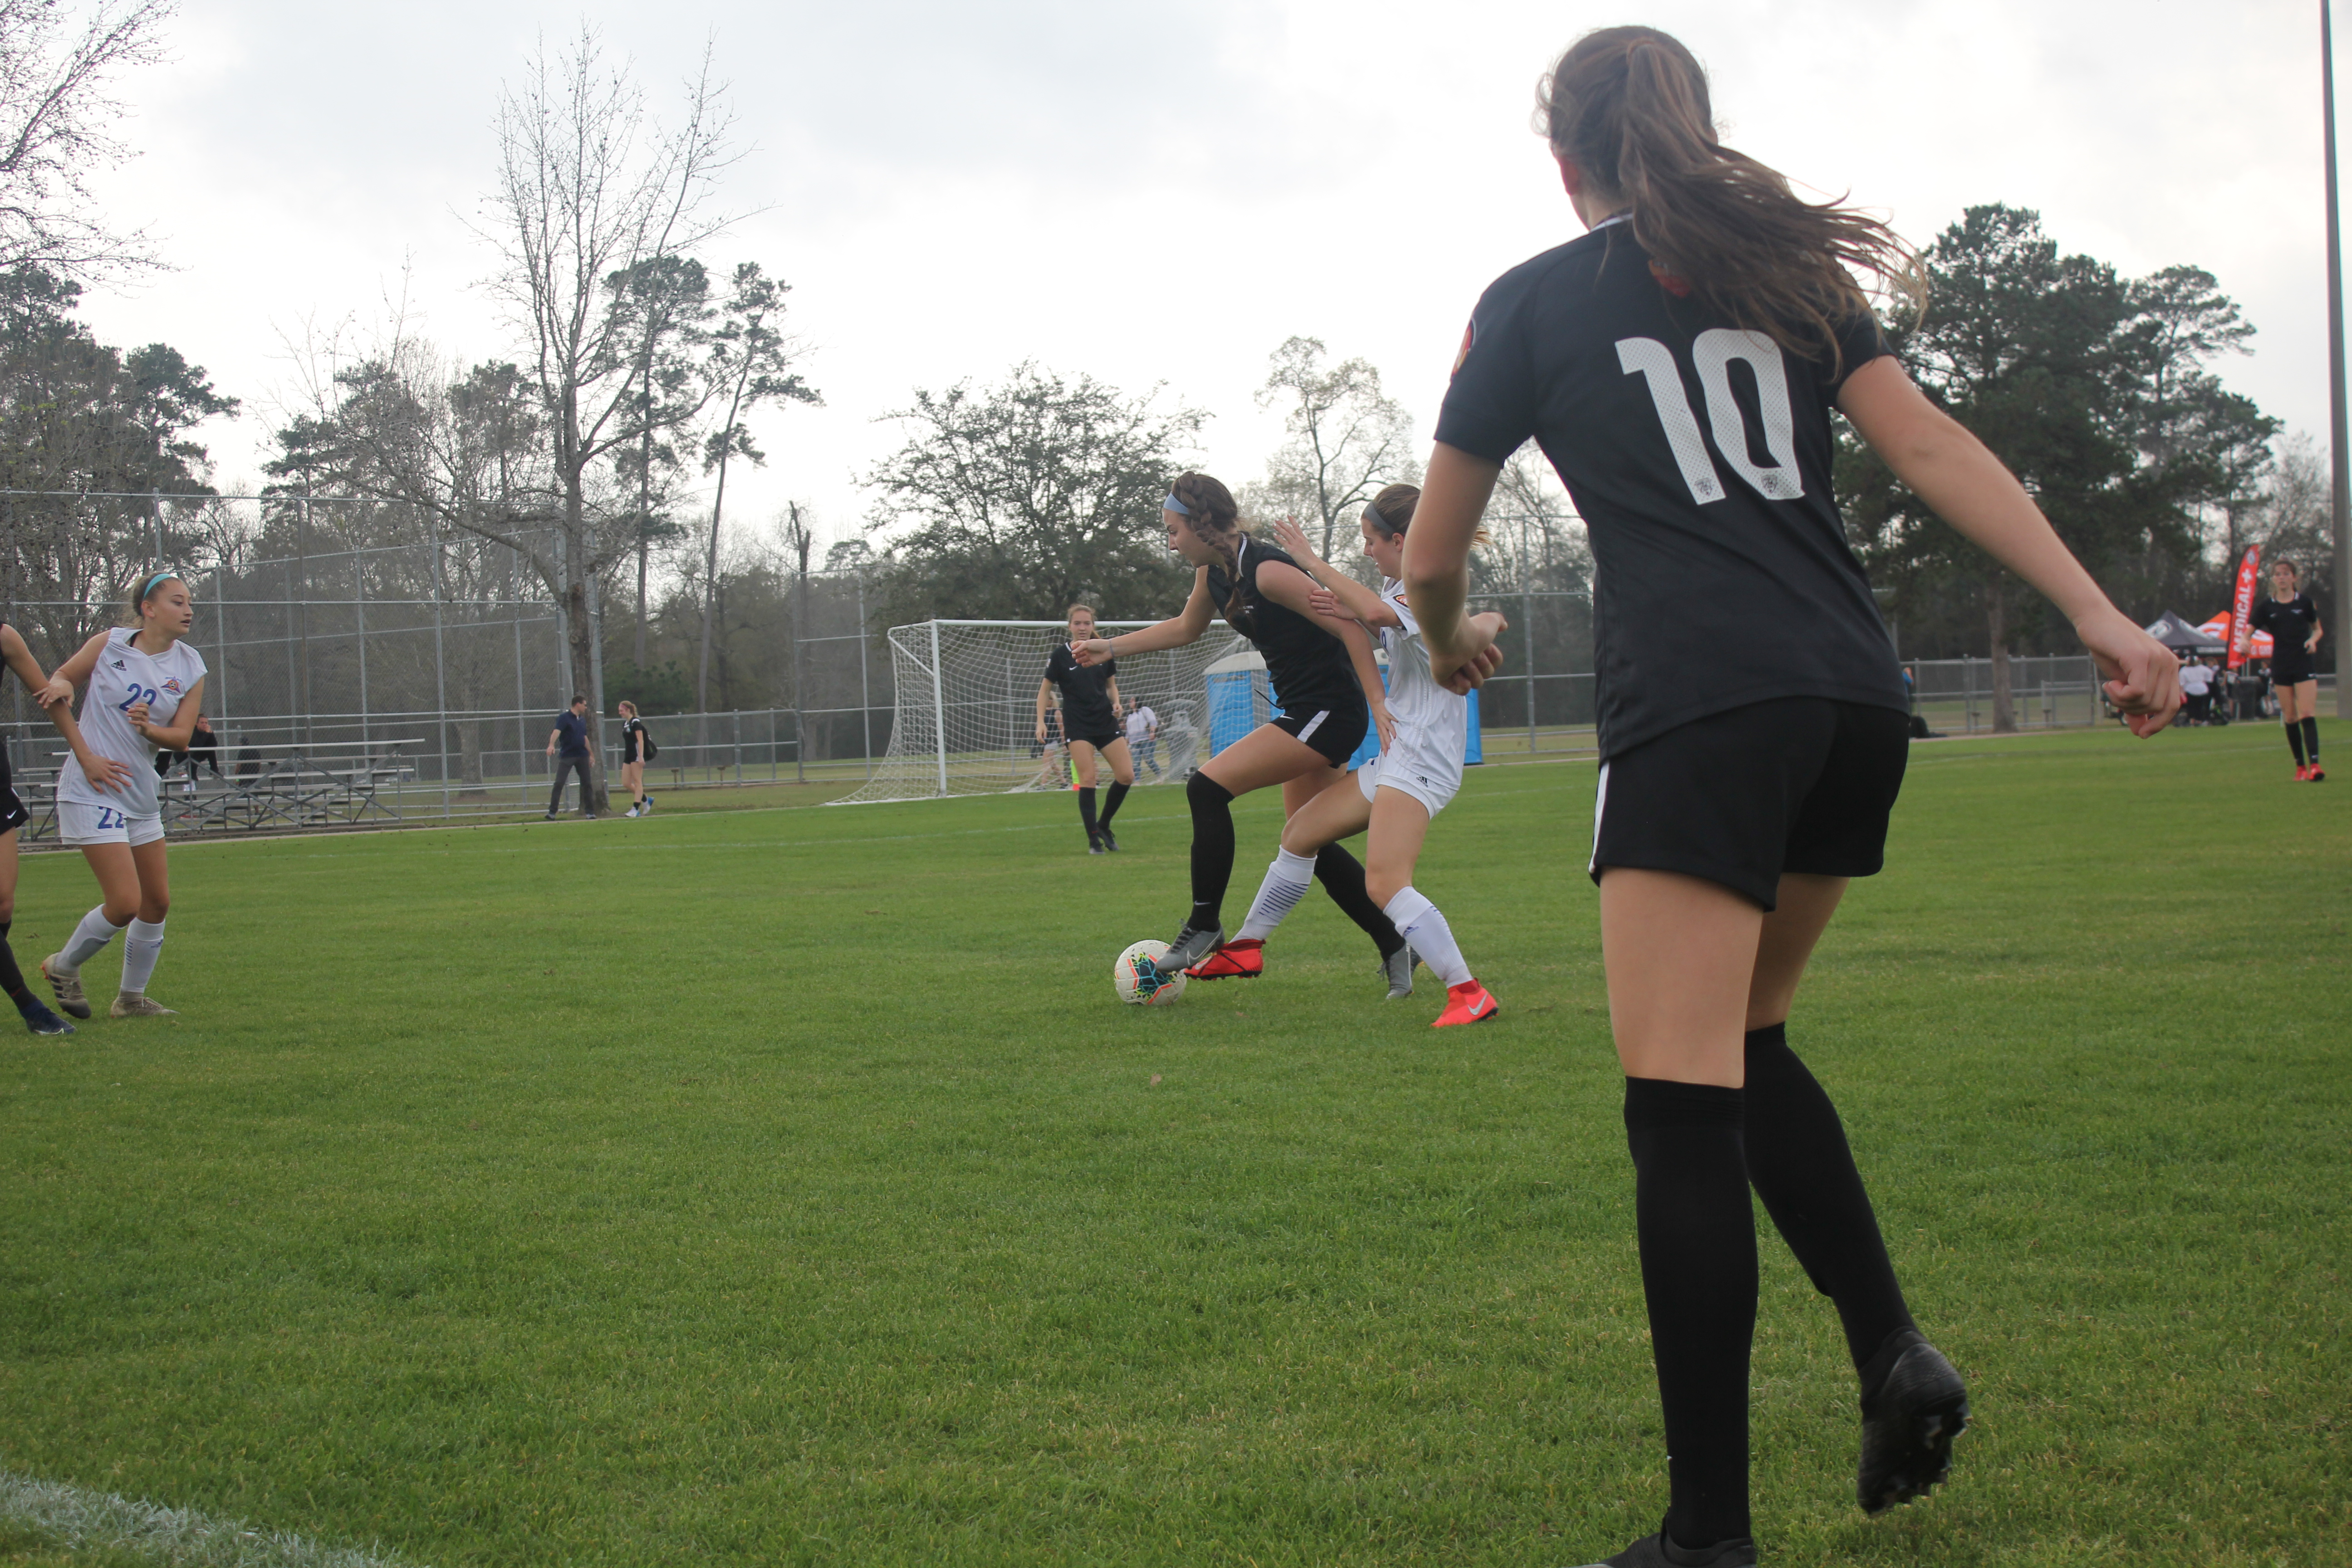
(107, 773)
(1093, 651)
(137, 714)
(1385, 723)
(2143, 676)
(1041, 731)
(1293, 539)
(1326, 604)
(1475, 655)
(59, 689)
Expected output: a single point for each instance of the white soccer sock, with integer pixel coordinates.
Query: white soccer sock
(88, 939)
(141, 949)
(1419, 922)
(1287, 881)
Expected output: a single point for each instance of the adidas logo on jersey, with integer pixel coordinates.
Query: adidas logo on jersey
(118, 664)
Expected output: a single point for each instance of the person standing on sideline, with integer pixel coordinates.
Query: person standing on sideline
(1143, 737)
(636, 751)
(1090, 707)
(2293, 621)
(141, 677)
(2196, 689)
(1730, 815)
(568, 744)
(13, 816)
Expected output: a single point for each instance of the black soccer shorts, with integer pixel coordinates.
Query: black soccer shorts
(1335, 731)
(1797, 783)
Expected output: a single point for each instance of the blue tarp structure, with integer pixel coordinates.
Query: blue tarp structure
(1240, 699)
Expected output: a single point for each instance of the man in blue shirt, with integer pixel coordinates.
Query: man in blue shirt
(568, 744)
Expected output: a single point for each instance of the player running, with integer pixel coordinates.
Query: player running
(13, 816)
(1733, 808)
(141, 678)
(1322, 673)
(2293, 621)
(1090, 708)
(1397, 792)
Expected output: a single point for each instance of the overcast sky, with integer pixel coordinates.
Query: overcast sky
(1161, 193)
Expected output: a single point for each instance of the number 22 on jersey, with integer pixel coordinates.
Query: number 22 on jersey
(1712, 353)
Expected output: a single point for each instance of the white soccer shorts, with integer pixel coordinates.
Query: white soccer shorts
(1413, 765)
(79, 824)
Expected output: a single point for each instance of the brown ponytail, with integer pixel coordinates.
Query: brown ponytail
(1628, 107)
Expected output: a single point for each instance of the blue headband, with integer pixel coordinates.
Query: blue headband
(1178, 507)
(150, 588)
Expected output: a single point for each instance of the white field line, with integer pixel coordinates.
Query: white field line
(86, 1521)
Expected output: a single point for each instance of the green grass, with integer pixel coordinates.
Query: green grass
(784, 1186)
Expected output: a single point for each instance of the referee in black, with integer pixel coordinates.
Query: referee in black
(568, 744)
(1090, 715)
(1678, 364)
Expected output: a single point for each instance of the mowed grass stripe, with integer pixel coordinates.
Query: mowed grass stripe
(812, 1202)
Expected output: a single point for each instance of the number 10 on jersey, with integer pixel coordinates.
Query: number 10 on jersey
(1712, 353)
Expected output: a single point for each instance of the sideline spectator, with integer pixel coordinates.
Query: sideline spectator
(2197, 686)
(1143, 737)
(571, 736)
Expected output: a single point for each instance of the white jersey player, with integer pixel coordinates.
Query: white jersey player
(144, 690)
(1417, 773)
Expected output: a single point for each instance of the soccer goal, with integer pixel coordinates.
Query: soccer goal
(967, 708)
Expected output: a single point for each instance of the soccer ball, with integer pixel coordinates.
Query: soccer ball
(1138, 980)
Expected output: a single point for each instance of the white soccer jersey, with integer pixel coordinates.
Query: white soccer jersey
(124, 676)
(1433, 724)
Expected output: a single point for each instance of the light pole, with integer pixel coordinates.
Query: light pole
(2339, 460)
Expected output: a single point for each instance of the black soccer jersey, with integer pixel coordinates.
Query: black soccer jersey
(2289, 622)
(1308, 668)
(1086, 695)
(1698, 457)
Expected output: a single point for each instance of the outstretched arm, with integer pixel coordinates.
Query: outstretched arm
(1289, 586)
(72, 674)
(1350, 595)
(1952, 471)
(20, 660)
(1182, 630)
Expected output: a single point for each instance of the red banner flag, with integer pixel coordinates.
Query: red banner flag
(2241, 605)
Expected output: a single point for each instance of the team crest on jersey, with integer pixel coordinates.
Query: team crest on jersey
(172, 684)
(1469, 336)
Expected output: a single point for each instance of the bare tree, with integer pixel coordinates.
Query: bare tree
(588, 188)
(1347, 437)
(57, 106)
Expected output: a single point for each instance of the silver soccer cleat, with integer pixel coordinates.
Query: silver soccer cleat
(1397, 967)
(66, 984)
(137, 1004)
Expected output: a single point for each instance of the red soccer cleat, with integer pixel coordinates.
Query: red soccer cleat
(2315, 775)
(2303, 772)
(1467, 1003)
(1243, 958)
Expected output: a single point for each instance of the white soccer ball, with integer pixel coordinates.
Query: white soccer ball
(1138, 980)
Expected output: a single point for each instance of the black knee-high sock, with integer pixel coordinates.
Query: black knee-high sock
(1342, 875)
(1800, 1166)
(1111, 801)
(1698, 1272)
(12, 978)
(1212, 848)
(1087, 810)
(2294, 741)
(2311, 741)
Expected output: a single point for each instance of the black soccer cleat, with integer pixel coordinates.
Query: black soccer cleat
(41, 1021)
(1908, 1426)
(1094, 843)
(1108, 842)
(1658, 1551)
(1191, 944)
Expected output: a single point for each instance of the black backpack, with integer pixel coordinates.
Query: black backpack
(646, 750)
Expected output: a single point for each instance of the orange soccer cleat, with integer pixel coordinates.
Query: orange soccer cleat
(2303, 772)
(1467, 1003)
(1243, 958)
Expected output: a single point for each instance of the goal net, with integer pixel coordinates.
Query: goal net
(966, 721)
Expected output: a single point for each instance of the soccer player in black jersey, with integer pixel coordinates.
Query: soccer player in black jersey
(1322, 669)
(1678, 364)
(35, 1012)
(2293, 621)
(1090, 722)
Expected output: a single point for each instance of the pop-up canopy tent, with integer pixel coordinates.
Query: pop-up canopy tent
(2218, 628)
(2177, 634)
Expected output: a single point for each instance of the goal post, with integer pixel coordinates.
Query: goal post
(965, 714)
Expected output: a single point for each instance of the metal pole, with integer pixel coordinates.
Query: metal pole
(156, 496)
(440, 664)
(938, 709)
(359, 611)
(301, 598)
(2340, 460)
(1527, 608)
(864, 698)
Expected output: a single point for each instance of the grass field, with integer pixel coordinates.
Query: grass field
(784, 1186)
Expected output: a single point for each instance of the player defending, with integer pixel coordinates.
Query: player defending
(1730, 815)
(1397, 792)
(141, 678)
(13, 816)
(1322, 671)
(1090, 708)
(2293, 621)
